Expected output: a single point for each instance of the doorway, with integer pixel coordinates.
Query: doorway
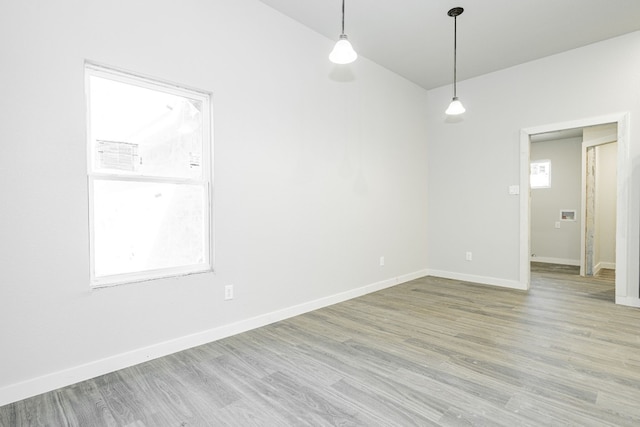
(622, 202)
(573, 198)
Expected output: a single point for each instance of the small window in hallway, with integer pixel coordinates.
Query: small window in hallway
(540, 174)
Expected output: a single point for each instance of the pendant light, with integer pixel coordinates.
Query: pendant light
(456, 106)
(343, 52)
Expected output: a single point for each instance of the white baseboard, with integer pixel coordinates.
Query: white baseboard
(628, 301)
(32, 387)
(493, 281)
(607, 265)
(562, 261)
(599, 266)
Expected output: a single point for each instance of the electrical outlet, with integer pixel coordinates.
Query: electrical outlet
(228, 292)
(469, 256)
(381, 261)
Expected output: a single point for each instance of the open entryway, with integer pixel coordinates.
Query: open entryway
(573, 198)
(585, 224)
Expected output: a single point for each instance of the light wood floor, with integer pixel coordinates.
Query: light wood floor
(428, 352)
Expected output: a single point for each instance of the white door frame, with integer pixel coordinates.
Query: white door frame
(622, 203)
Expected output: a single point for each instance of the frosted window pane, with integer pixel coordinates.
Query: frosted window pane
(135, 130)
(142, 226)
(540, 176)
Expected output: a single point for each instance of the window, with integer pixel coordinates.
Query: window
(540, 174)
(149, 149)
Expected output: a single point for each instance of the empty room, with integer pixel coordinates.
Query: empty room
(320, 212)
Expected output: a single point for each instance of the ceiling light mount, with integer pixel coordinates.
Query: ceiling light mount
(456, 106)
(456, 11)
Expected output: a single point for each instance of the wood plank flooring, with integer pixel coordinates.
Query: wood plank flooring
(431, 352)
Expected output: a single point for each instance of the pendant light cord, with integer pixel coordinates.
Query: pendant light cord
(455, 53)
(343, 17)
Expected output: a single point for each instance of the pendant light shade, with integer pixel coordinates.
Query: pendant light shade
(343, 52)
(456, 106)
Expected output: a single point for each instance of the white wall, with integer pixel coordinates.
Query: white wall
(548, 243)
(472, 162)
(319, 171)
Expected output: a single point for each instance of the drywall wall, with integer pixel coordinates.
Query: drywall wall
(549, 243)
(319, 171)
(473, 161)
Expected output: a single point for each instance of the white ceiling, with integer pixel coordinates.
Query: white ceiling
(414, 38)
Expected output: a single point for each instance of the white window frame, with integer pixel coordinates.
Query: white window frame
(92, 69)
(545, 161)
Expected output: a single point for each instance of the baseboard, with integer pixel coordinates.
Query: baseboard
(601, 265)
(628, 301)
(607, 265)
(53, 381)
(493, 281)
(562, 261)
